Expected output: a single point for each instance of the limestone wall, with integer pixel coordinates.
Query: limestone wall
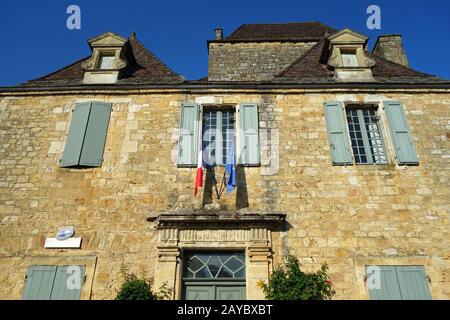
(345, 216)
(252, 61)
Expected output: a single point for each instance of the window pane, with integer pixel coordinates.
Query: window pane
(374, 137)
(365, 135)
(106, 62)
(228, 132)
(214, 147)
(349, 60)
(209, 137)
(214, 265)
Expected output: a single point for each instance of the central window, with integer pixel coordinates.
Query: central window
(106, 62)
(365, 135)
(218, 135)
(349, 59)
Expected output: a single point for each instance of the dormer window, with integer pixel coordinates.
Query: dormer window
(349, 59)
(106, 62)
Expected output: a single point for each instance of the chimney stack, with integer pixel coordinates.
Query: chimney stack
(219, 33)
(390, 47)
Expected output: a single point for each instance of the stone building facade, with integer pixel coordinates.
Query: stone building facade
(301, 195)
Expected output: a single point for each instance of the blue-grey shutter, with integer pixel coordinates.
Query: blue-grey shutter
(249, 135)
(39, 282)
(188, 139)
(75, 138)
(389, 288)
(95, 137)
(338, 139)
(413, 283)
(65, 286)
(400, 133)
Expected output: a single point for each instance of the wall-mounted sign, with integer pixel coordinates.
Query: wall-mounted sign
(53, 243)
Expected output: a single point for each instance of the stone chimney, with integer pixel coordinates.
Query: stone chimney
(219, 33)
(390, 47)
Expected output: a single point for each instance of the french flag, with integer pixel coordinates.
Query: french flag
(199, 175)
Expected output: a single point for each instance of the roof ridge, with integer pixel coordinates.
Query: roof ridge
(155, 57)
(279, 23)
(300, 58)
(240, 27)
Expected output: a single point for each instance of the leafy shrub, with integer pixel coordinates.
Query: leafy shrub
(293, 284)
(134, 288)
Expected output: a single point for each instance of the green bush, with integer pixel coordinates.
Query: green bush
(293, 284)
(135, 289)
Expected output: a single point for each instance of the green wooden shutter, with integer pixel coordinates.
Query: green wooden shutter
(95, 138)
(249, 134)
(62, 287)
(341, 153)
(400, 133)
(389, 288)
(413, 283)
(188, 139)
(39, 282)
(75, 138)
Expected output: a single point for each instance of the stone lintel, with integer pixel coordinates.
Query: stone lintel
(218, 220)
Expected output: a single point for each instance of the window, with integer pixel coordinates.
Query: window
(87, 135)
(214, 276)
(106, 62)
(218, 132)
(365, 136)
(54, 283)
(361, 124)
(349, 60)
(397, 283)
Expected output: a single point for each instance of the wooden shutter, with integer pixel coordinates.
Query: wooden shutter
(95, 137)
(400, 133)
(75, 138)
(249, 135)
(39, 282)
(389, 288)
(62, 289)
(413, 283)
(188, 139)
(341, 153)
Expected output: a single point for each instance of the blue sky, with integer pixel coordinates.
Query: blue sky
(35, 40)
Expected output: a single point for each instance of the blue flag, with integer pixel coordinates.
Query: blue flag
(231, 170)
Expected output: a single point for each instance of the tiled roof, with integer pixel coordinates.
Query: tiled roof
(279, 31)
(311, 68)
(144, 68)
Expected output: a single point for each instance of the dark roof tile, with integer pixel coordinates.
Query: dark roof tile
(309, 68)
(144, 68)
(279, 31)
